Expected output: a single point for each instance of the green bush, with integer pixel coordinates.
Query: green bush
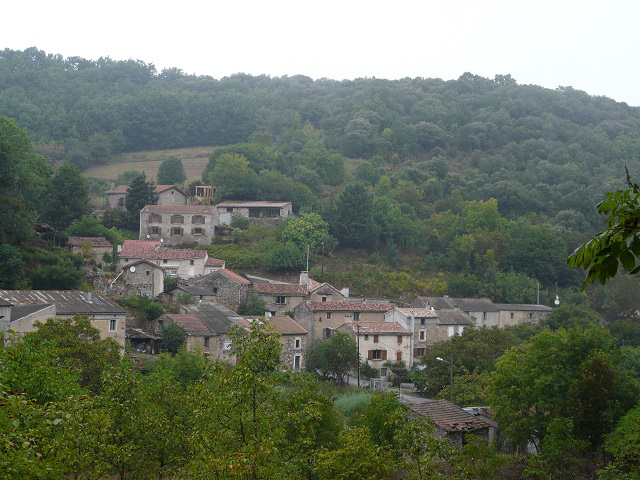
(239, 221)
(353, 402)
(288, 256)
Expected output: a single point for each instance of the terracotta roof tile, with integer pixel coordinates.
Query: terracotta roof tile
(280, 289)
(392, 328)
(94, 241)
(189, 323)
(151, 249)
(282, 324)
(448, 416)
(215, 262)
(349, 307)
(235, 276)
(418, 312)
(312, 284)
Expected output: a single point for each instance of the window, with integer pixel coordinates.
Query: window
(155, 230)
(398, 356)
(198, 219)
(298, 343)
(177, 219)
(296, 363)
(511, 315)
(399, 338)
(198, 231)
(328, 315)
(215, 290)
(327, 333)
(377, 355)
(164, 260)
(154, 217)
(190, 262)
(113, 324)
(324, 299)
(419, 352)
(121, 201)
(281, 300)
(206, 342)
(227, 345)
(423, 335)
(451, 331)
(375, 339)
(422, 322)
(273, 212)
(460, 329)
(229, 209)
(383, 372)
(148, 273)
(356, 316)
(176, 231)
(530, 315)
(484, 315)
(366, 336)
(254, 212)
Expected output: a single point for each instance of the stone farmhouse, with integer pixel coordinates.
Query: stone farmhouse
(293, 338)
(380, 342)
(25, 307)
(98, 246)
(178, 224)
(321, 319)
(167, 195)
(228, 287)
(257, 212)
(142, 278)
(280, 297)
(515, 314)
(196, 293)
(177, 262)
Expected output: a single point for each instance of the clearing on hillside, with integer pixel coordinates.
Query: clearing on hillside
(194, 160)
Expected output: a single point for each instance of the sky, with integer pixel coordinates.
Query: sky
(590, 45)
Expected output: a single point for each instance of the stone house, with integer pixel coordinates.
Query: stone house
(213, 264)
(280, 297)
(380, 342)
(321, 319)
(515, 314)
(293, 339)
(322, 291)
(21, 318)
(99, 246)
(183, 263)
(257, 212)
(482, 310)
(178, 224)
(207, 326)
(167, 195)
(196, 293)
(104, 314)
(228, 287)
(451, 421)
(141, 277)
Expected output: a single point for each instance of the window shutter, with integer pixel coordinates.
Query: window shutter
(398, 356)
(384, 354)
(193, 230)
(415, 352)
(171, 231)
(150, 218)
(181, 231)
(159, 218)
(370, 357)
(149, 230)
(159, 231)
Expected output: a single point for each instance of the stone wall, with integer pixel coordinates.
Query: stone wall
(187, 228)
(172, 197)
(228, 292)
(289, 350)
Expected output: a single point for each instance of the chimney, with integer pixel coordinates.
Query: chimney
(113, 184)
(87, 296)
(304, 278)
(119, 248)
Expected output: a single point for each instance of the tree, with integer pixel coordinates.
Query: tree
(618, 243)
(56, 277)
(353, 218)
(233, 178)
(173, 338)
(334, 357)
(171, 172)
(624, 443)
(285, 256)
(11, 266)
(569, 316)
(89, 226)
(139, 194)
(307, 229)
(68, 197)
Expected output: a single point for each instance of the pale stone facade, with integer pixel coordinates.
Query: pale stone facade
(258, 212)
(141, 278)
(179, 224)
(229, 288)
(515, 314)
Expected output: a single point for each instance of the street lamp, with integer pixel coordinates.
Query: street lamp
(450, 375)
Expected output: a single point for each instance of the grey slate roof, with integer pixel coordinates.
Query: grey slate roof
(218, 318)
(448, 416)
(21, 311)
(454, 317)
(193, 290)
(523, 307)
(438, 303)
(67, 302)
(449, 303)
(4, 303)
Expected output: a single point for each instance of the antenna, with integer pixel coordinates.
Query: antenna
(307, 257)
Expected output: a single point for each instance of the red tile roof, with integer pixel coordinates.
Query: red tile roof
(280, 289)
(94, 241)
(418, 312)
(234, 276)
(150, 249)
(366, 328)
(192, 209)
(312, 284)
(138, 262)
(253, 204)
(349, 307)
(189, 323)
(215, 262)
(448, 416)
(283, 324)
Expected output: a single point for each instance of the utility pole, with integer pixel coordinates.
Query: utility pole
(322, 276)
(451, 379)
(412, 340)
(538, 302)
(358, 335)
(307, 258)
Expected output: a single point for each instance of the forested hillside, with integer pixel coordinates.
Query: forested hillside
(488, 181)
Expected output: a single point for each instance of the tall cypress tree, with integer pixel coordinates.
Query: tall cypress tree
(353, 223)
(139, 194)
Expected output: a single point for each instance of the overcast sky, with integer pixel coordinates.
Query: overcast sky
(590, 45)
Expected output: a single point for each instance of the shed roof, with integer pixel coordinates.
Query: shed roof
(218, 318)
(96, 242)
(448, 417)
(454, 317)
(191, 324)
(20, 311)
(280, 289)
(67, 302)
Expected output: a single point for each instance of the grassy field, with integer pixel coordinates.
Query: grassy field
(194, 160)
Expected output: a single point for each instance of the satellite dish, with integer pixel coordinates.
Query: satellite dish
(162, 240)
(132, 269)
(557, 300)
(148, 236)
